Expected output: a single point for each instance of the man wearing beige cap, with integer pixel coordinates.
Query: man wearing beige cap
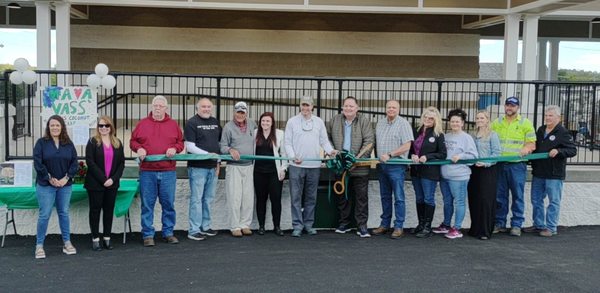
(305, 135)
(238, 139)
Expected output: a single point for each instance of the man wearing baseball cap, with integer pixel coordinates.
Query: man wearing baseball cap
(517, 138)
(305, 135)
(238, 139)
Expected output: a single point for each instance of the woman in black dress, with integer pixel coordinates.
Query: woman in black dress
(483, 181)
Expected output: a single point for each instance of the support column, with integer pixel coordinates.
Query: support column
(63, 35)
(511, 51)
(511, 46)
(553, 66)
(530, 40)
(542, 56)
(42, 26)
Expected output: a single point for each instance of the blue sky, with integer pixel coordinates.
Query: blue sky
(572, 55)
(15, 43)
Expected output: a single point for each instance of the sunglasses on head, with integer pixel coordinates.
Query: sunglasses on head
(103, 125)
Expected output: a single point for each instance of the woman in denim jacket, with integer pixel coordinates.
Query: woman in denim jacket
(482, 185)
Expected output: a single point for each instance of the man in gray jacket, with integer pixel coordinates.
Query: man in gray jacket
(238, 139)
(352, 132)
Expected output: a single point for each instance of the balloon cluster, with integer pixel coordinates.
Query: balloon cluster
(23, 74)
(101, 78)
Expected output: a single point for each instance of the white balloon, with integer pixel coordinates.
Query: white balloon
(29, 77)
(93, 81)
(109, 82)
(101, 69)
(21, 64)
(16, 77)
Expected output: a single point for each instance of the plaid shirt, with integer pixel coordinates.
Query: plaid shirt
(391, 135)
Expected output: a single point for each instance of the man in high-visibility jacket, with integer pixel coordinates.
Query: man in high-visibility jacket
(517, 138)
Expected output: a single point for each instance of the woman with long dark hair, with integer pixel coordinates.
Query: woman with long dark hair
(106, 161)
(269, 174)
(55, 162)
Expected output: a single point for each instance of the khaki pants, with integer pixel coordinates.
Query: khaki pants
(239, 186)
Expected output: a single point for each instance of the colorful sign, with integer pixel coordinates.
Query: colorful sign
(77, 105)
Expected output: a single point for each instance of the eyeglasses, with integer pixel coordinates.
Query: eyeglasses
(429, 118)
(103, 125)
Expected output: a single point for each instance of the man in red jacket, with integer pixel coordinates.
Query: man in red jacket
(157, 134)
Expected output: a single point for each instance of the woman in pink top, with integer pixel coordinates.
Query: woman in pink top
(106, 161)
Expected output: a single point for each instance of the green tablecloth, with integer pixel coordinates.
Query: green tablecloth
(22, 198)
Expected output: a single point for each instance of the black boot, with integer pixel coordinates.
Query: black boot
(278, 231)
(96, 245)
(421, 216)
(426, 232)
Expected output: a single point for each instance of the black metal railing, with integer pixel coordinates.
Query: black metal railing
(130, 101)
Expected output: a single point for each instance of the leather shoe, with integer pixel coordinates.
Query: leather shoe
(171, 239)
(148, 242)
(261, 231)
(247, 231)
(379, 231)
(96, 246)
(398, 232)
(278, 231)
(106, 244)
(237, 233)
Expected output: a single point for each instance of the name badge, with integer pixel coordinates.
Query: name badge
(552, 137)
(432, 139)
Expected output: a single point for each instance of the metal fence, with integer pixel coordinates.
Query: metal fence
(130, 101)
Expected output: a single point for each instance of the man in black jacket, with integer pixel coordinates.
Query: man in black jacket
(548, 174)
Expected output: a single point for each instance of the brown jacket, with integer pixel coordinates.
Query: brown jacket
(362, 141)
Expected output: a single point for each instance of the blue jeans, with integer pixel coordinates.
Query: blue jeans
(47, 196)
(540, 188)
(454, 193)
(203, 183)
(303, 184)
(424, 190)
(391, 180)
(511, 177)
(161, 185)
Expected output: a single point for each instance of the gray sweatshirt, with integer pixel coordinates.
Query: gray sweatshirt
(460, 144)
(233, 137)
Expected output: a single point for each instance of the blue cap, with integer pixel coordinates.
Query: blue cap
(512, 101)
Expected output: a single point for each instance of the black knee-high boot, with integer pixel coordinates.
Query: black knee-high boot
(421, 216)
(426, 232)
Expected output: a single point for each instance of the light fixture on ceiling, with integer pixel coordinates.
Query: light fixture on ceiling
(13, 5)
(595, 20)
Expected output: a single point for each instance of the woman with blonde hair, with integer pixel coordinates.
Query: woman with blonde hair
(428, 145)
(106, 160)
(483, 181)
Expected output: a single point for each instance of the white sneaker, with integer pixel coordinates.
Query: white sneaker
(40, 253)
(69, 249)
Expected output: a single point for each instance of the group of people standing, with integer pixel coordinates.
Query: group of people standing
(485, 184)
(55, 162)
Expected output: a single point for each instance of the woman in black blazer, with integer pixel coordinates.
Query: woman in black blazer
(106, 161)
(428, 145)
